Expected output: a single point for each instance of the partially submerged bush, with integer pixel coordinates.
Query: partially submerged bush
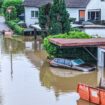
(16, 28)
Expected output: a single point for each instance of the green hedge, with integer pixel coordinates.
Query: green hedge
(56, 51)
(16, 28)
(51, 49)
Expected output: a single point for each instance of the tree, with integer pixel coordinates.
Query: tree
(65, 21)
(56, 18)
(12, 15)
(16, 3)
(55, 28)
(1, 2)
(44, 19)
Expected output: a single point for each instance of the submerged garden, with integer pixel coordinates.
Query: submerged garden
(25, 71)
(55, 22)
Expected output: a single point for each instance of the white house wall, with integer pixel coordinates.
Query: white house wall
(74, 13)
(94, 5)
(28, 19)
(95, 31)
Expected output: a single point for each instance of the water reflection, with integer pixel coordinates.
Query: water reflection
(0, 77)
(31, 44)
(34, 80)
(11, 61)
(17, 46)
(65, 84)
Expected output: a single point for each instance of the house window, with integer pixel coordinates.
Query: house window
(34, 14)
(94, 15)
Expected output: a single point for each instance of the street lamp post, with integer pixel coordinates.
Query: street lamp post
(9, 10)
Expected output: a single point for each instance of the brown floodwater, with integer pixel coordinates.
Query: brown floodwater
(27, 79)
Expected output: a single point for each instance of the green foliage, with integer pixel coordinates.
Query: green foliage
(16, 28)
(1, 2)
(65, 21)
(59, 14)
(15, 3)
(53, 49)
(44, 19)
(56, 29)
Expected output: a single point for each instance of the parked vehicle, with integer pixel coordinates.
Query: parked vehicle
(77, 64)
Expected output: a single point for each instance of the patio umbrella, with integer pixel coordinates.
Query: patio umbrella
(36, 26)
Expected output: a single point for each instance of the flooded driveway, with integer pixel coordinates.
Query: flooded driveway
(27, 79)
(3, 26)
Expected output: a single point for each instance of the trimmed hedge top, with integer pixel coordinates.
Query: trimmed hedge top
(52, 49)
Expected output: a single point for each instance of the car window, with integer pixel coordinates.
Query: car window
(77, 62)
(67, 62)
(61, 61)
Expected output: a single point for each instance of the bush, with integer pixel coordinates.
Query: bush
(19, 30)
(55, 51)
(16, 28)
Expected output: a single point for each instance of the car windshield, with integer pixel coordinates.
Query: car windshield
(77, 62)
(62, 61)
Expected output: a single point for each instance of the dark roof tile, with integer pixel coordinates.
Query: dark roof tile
(69, 3)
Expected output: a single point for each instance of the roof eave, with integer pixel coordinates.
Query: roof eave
(39, 6)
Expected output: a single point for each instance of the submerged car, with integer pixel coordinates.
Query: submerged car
(77, 64)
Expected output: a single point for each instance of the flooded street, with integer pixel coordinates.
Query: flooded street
(27, 79)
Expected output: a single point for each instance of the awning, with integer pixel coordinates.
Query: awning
(36, 26)
(21, 22)
(78, 42)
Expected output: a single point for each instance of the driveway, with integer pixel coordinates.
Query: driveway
(3, 26)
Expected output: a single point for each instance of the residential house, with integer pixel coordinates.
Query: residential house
(76, 9)
(95, 10)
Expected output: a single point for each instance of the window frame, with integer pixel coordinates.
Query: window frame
(34, 14)
(96, 17)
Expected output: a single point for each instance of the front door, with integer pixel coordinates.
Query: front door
(81, 15)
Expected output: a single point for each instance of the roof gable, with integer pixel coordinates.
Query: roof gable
(69, 3)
